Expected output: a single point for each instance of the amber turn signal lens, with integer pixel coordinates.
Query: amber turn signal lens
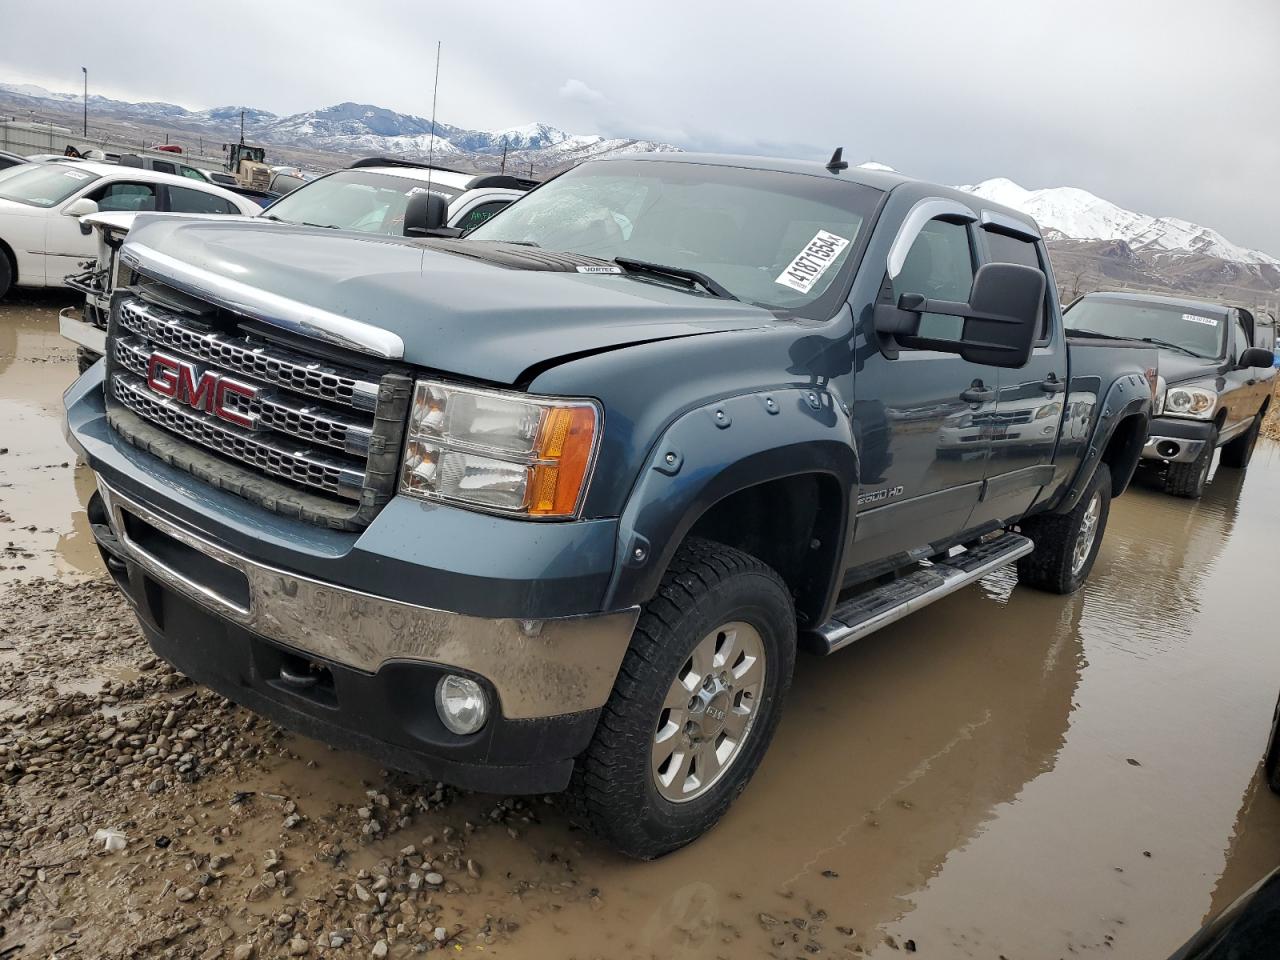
(565, 443)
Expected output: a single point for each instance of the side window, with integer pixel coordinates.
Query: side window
(193, 174)
(480, 213)
(939, 266)
(1241, 339)
(125, 196)
(184, 200)
(1002, 248)
(163, 166)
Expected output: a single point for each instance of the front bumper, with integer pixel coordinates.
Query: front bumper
(81, 332)
(1173, 440)
(368, 662)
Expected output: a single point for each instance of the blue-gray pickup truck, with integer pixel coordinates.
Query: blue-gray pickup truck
(553, 506)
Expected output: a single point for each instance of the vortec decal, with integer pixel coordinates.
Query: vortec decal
(203, 390)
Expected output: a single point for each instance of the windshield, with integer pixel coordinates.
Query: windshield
(779, 240)
(44, 184)
(1194, 331)
(354, 200)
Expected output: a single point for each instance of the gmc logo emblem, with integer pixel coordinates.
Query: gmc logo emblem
(207, 391)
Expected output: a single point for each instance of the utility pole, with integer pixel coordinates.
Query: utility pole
(85, 71)
(530, 169)
(504, 156)
(242, 128)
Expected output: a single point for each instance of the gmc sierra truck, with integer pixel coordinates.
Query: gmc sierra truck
(554, 505)
(1215, 379)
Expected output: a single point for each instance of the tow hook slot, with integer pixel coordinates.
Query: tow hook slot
(305, 677)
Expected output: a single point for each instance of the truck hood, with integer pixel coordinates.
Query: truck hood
(1177, 367)
(453, 313)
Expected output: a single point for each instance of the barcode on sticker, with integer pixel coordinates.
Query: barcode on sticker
(812, 262)
(1207, 321)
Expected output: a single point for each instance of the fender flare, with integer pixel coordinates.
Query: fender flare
(719, 449)
(1129, 395)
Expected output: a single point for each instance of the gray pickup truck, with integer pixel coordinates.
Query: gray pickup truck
(555, 505)
(1215, 379)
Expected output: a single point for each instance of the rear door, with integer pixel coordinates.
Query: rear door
(1023, 430)
(919, 415)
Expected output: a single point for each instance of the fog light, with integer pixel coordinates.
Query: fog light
(461, 703)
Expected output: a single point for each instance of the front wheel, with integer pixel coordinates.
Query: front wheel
(1237, 453)
(695, 704)
(1067, 544)
(1189, 479)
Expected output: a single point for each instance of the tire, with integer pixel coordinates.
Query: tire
(86, 359)
(6, 274)
(1237, 453)
(1271, 760)
(711, 595)
(1062, 559)
(1189, 479)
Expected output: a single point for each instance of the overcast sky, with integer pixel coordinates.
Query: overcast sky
(1169, 107)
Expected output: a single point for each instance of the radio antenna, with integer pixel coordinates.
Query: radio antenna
(431, 147)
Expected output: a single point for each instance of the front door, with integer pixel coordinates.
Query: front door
(920, 416)
(1026, 423)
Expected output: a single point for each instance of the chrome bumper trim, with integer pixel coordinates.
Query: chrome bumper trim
(81, 332)
(1188, 450)
(539, 668)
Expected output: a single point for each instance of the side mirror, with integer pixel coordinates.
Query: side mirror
(80, 208)
(425, 213)
(1256, 357)
(1000, 318)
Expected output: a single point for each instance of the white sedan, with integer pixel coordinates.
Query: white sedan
(41, 205)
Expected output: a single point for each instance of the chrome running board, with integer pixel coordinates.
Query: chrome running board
(869, 611)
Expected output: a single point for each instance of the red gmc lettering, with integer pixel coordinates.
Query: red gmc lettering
(206, 391)
(230, 414)
(162, 374)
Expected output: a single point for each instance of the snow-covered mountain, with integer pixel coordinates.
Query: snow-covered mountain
(354, 129)
(1080, 215)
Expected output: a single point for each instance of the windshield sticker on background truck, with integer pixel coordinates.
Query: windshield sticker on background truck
(812, 262)
(1208, 321)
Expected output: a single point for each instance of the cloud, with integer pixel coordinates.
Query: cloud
(575, 90)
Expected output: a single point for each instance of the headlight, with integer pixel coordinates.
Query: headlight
(1048, 410)
(1197, 402)
(499, 451)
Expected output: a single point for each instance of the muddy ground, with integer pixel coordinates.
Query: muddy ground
(1004, 774)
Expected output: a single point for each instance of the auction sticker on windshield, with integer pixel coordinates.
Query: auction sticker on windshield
(812, 262)
(1207, 321)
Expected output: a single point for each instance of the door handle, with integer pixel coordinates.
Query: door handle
(1051, 384)
(977, 393)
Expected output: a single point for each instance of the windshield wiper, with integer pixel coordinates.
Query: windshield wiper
(1092, 333)
(676, 273)
(1172, 346)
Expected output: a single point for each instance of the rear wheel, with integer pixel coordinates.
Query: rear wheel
(1237, 453)
(1189, 479)
(6, 274)
(1067, 544)
(695, 704)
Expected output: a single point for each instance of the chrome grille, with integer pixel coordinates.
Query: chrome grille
(301, 466)
(318, 424)
(315, 430)
(270, 364)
